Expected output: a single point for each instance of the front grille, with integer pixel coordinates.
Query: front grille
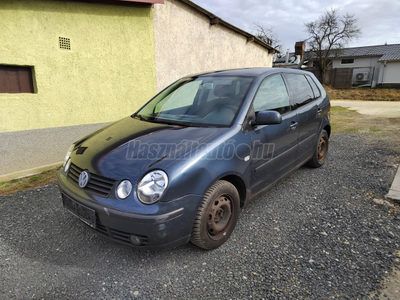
(99, 185)
(120, 236)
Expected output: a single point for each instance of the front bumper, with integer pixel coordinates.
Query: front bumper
(170, 227)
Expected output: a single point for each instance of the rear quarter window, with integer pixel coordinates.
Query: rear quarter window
(300, 89)
(317, 92)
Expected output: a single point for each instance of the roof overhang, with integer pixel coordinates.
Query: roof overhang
(141, 1)
(138, 3)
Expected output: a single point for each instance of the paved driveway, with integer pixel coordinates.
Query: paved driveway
(315, 235)
(373, 108)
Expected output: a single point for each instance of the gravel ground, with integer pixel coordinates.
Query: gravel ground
(315, 235)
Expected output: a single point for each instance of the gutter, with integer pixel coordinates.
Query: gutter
(384, 72)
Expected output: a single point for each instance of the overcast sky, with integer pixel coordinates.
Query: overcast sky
(378, 19)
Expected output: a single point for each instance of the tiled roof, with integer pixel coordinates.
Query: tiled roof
(387, 52)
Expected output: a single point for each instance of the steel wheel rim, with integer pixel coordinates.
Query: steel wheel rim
(219, 215)
(322, 149)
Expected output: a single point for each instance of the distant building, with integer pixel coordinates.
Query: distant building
(369, 65)
(375, 65)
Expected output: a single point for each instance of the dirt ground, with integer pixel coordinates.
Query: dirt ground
(381, 118)
(371, 108)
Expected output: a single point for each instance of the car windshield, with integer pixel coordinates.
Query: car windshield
(199, 101)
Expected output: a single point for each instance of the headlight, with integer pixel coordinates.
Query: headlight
(68, 154)
(152, 186)
(124, 189)
(67, 165)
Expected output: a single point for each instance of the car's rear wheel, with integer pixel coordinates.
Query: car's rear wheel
(321, 151)
(217, 216)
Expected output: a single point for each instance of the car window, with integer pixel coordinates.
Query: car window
(199, 101)
(315, 88)
(300, 89)
(182, 97)
(272, 95)
(213, 94)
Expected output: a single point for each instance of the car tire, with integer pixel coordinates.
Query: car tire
(321, 151)
(217, 216)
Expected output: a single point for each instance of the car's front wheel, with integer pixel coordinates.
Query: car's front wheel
(217, 216)
(321, 151)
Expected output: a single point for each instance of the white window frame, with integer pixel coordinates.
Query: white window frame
(346, 64)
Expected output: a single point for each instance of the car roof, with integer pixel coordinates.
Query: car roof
(253, 72)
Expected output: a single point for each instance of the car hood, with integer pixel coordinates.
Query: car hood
(128, 148)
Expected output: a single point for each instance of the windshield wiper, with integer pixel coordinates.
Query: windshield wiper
(135, 115)
(167, 122)
(170, 122)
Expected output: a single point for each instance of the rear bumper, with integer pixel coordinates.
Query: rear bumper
(168, 229)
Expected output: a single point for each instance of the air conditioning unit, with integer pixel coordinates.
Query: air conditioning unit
(361, 75)
(364, 76)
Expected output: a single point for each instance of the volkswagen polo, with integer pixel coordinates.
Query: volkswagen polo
(181, 167)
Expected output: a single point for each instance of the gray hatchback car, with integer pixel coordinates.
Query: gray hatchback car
(182, 166)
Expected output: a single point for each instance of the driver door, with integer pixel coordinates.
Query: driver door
(273, 146)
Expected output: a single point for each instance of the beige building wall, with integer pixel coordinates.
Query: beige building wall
(186, 43)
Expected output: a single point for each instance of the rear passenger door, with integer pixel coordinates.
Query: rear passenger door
(273, 146)
(304, 101)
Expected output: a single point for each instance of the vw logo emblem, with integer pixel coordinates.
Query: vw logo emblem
(84, 179)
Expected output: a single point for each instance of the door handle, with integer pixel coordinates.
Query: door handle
(293, 125)
(319, 111)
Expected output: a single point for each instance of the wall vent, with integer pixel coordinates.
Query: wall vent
(64, 43)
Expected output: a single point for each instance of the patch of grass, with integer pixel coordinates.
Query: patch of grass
(28, 183)
(363, 93)
(344, 120)
(35, 178)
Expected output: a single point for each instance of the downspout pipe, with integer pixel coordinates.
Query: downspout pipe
(384, 71)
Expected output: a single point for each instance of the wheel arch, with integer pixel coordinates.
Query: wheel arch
(327, 128)
(239, 184)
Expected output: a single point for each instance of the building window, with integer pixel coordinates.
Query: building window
(347, 61)
(15, 79)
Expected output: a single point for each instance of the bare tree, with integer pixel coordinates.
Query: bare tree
(329, 34)
(268, 36)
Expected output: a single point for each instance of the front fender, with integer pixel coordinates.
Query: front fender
(195, 175)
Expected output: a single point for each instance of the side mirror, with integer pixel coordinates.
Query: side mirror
(267, 117)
